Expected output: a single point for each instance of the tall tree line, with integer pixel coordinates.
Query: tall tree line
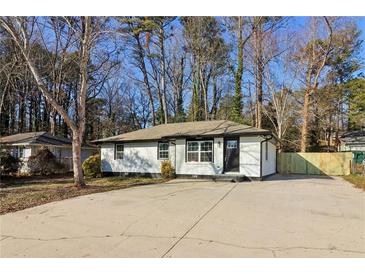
(93, 77)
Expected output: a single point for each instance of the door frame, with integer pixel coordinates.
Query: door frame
(225, 139)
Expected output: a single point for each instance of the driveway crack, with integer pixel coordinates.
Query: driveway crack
(4, 237)
(275, 249)
(87, 237)
(200, 218)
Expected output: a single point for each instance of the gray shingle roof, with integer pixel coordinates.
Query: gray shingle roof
(187, 129)
(36, 138)
(354, 136)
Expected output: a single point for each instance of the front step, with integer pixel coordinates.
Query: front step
(230, 178)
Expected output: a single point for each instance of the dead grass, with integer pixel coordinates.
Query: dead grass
(20, 194)
(356, 179)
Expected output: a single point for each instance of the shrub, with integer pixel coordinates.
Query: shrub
(44, 163)
(167, 170)
(91, 166)
(8, 163)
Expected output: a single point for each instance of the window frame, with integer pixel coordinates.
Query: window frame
(116, 152)
(159, 150)
(20, 152)
(199, 151)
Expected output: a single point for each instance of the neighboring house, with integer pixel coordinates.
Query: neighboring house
(353, 141)
(24, 145)
(207, 148)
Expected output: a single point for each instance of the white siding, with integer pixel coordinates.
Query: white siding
(353, 147)
(189, 168)
(23, 167)
(141, 157)
(250, 156)
(269, 165)
(27, 152)
(138, 157)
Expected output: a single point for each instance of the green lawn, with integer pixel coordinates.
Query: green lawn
(356, 179)
(18, 194)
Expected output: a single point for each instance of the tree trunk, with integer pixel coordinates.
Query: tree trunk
(52, 120)
(304, 138)
(142, 66)
(251, 106)
(76, 160)
(337, 139)
(21, 112)
(280, 138)
(237, 100)
(163, 69)
(259, 71)
(329, 131)
(179, 93)
(214, 108)
(259, 102)
(30, 118)
(204, 77)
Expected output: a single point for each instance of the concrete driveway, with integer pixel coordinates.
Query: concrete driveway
(282, 217)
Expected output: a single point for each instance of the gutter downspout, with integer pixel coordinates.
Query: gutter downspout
(265, 140)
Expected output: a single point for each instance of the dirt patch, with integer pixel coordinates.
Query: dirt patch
(356, 179)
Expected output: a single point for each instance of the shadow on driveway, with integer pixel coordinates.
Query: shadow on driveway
(290, 177)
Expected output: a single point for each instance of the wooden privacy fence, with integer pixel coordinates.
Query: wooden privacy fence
(315, 163)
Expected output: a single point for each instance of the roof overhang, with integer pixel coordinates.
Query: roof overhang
(187, 136)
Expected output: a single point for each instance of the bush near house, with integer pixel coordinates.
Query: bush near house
(44, 163)
(91, 166)
(167, 170)
(8, 163)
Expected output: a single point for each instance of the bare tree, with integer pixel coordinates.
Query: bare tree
(264, 52)
(136, 28)
(314, 56)
(84, 36)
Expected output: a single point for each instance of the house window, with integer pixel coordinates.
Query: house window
(163, 150)
(199, 151)
(119, 152)
(266, 150)
(231, 144)
(14, 152)
(193, 151)
(20, 152)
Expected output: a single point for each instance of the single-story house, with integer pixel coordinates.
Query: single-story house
(353, 141)
(195, 149)
(24, 145)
